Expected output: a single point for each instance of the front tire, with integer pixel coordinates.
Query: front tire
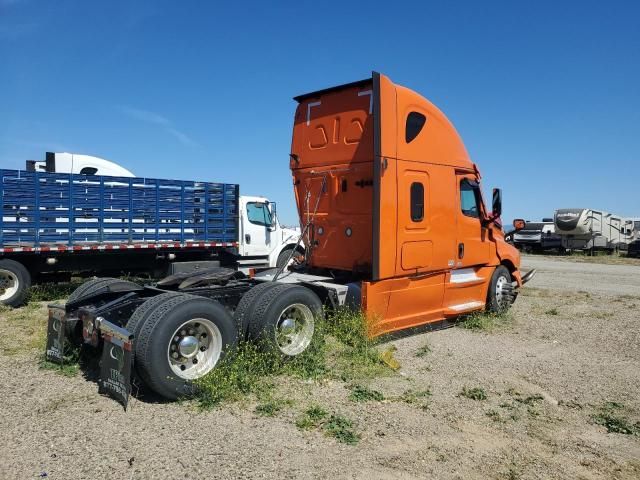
(181, 340)
(500, 295)
(15, 281)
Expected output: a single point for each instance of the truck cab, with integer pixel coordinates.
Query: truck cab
(263, 240)
(77, 163)
(394, 223)
(395, 206)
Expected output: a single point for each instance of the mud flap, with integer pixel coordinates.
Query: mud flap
(116, 362)
(56, 338)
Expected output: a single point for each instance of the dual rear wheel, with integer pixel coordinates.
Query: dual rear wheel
(179, 338)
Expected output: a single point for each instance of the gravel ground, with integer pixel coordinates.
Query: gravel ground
(571, 346)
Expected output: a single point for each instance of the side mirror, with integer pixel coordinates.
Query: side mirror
(497, 202)
(519, 224)
(273, 215)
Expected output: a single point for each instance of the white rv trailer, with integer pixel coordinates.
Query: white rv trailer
(588, 229)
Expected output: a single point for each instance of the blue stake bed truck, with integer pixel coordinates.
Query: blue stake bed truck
(54, 225)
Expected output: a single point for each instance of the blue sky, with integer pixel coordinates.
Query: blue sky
(546, 95)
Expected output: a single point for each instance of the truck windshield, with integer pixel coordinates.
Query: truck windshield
(259, 214)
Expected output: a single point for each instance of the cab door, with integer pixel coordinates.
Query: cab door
(473, 247)
(256, 228)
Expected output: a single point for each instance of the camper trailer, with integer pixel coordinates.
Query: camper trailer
(588, 229)
(632, 231)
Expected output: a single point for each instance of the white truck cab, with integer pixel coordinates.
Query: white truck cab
(80, 164)
(261, 234)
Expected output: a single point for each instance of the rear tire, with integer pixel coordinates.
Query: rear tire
(283, 319)
(15, 281)
(500, 295)
(182, 339)
(140, 315)
(242, 315)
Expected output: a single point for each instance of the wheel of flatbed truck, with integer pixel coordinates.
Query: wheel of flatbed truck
(181, 339)
(283, 319)
(500, 295)
(95, 285)
(15, 281)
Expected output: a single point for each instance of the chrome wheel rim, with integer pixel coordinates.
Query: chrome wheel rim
(8, 284)
(294, 329)
(502, 293)
(194, 348)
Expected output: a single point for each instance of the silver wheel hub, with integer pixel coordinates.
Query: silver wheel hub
(502, 292)
(188, 346)
(8, 284)
(294, 329)
(195, 348)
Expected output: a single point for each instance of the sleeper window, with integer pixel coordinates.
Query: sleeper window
(88, 171)
(417, 202)
(415, 122)
(469, 196)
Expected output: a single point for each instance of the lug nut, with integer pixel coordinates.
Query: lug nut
(203, 348)
(183, 332)
(204, 335)
(195, 360)
(183, 367)
(175, 355)
(197, 325)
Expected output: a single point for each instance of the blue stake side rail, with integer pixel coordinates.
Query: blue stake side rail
(68, 212)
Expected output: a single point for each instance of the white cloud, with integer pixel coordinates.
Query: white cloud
(160, 120)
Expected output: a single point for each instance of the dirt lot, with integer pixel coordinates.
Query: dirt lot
(566, 361)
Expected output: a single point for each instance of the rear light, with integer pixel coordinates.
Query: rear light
(90, 333)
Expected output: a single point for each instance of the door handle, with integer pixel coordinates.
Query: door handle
(460, 250)
(247, 238)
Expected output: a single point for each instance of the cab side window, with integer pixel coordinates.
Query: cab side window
(469, 198)
(258, 214)
(417, 202)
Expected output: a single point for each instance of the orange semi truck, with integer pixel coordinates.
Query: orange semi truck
(394, 223)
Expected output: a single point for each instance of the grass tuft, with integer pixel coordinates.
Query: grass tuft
(476, 393)
(270, 408)
(48, 292)
(611, 418)
(361, 393)
(485, 321)
(336, 426)
(341, 428)
(311, 418)
(423, 351)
